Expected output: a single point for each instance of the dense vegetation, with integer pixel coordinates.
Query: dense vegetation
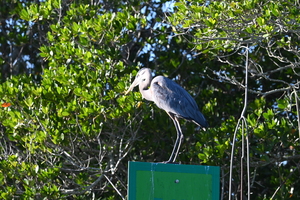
(67, 129)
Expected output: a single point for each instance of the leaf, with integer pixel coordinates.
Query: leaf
(187, 23)
(268, 12)
(28, 101)
(25, 15)
(282, 104)
(121, 86)
(260, 21)
(275, 11)
(210, 22)
(5, 105)
(249, 30)
(36, 168)
(251, 120)
(180, 5)
(65, 113)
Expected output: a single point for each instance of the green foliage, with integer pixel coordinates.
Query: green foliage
(70, 130)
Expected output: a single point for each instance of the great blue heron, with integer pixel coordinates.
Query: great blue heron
(172, 98)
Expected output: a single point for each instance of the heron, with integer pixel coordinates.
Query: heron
(173, 99)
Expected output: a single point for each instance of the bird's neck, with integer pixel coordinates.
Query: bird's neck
(145, 91)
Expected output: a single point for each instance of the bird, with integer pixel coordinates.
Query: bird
(172, 98)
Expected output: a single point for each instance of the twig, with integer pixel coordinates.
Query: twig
(114, 187)
(242, 120)
(74, 191)
(297, 108)
(283, 182)
(222, 184)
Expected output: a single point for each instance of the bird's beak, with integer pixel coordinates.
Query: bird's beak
(135, 83)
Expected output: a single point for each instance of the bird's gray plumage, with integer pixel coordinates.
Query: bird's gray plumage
(172, 98)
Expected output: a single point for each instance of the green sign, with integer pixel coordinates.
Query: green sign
(159, 181)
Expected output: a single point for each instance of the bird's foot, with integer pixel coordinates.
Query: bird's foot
(170, 162)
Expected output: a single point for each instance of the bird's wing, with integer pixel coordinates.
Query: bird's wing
(172, 98)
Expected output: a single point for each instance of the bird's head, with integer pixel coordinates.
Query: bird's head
(142, 78)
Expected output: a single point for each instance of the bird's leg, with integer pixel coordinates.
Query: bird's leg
(179, 139)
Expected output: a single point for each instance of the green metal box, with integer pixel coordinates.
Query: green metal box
(160, 181)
